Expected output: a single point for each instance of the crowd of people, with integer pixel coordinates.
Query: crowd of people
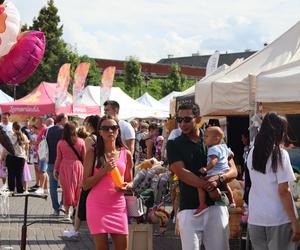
(81, 159)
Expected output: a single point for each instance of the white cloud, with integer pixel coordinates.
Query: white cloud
(152, 29)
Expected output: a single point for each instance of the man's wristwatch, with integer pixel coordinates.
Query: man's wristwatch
(221, 178)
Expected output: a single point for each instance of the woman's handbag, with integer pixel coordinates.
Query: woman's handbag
(135, 207)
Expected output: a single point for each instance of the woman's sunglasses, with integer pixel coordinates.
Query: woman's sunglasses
(185, 119)
(107, 128)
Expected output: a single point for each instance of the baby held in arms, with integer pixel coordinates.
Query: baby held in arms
(217, 164)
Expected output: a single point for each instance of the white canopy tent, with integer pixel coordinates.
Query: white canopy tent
(147, 100)
(279, 89)
(187, 92)
(231, 92)
(129, 108)
(5, 98)
(166, 100)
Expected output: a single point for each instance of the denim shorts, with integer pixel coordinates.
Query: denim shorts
(43, 165)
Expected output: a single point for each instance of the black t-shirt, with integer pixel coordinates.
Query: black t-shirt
(54, 134)
(194, 156)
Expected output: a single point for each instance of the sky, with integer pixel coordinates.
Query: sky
(153, 29)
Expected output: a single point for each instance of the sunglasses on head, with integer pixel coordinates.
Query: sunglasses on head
(185, 119)
(107, 128)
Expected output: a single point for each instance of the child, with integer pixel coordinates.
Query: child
(217, 158)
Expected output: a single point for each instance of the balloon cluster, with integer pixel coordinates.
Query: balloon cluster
(20, 53)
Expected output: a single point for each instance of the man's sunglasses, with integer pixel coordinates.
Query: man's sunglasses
(107, 128)
(185, 119)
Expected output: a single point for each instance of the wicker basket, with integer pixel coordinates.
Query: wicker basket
(234, 222)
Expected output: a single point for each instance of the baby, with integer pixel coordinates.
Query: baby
(217, 164)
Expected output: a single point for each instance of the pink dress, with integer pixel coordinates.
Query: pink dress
(70, 170)
(106, 208)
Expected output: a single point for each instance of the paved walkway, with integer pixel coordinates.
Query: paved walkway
(46, 231)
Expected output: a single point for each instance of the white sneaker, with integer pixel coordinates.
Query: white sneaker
(46, 191)
(4, 188)
(39, 191)
(71, 235)
(67, 218)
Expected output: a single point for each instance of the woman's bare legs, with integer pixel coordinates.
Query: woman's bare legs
(120, 241)
(101, 241)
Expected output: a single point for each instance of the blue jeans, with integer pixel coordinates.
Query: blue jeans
(53, 188)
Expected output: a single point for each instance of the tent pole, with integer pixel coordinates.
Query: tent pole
(252, 103)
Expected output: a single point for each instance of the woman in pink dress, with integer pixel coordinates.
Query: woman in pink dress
(106, 207)
(68, 166)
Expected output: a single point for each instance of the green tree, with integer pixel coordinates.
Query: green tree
(174, 81)
(133, 78)
(94, 75)
(175, 77)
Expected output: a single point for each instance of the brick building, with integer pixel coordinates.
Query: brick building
(193, 67)
(153, 70)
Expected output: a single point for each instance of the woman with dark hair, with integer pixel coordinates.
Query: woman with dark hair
(68, 166)
(106, 207)
(272, 219)
(15, 163)
(90, 125)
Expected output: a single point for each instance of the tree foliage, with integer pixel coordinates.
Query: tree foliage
(133, 78)
(175, 81)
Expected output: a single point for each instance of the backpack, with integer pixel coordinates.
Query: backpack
(43, 150)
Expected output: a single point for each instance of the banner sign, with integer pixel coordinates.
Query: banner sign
(79, 81)
(212, 63)
(63, 80)
(106, 84)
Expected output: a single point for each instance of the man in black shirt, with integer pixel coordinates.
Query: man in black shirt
(54, 134)
(186, 154)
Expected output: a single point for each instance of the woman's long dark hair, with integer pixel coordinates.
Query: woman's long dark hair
(93, 121)
(19, 134)
(69, 133)
(100, 150)
(267, 142)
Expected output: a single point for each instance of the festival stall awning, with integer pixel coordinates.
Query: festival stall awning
(232, 92)
(41, 101)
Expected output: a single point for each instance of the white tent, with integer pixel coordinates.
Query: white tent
(5, 98)
(148, 100)
(278, 89)
(187, 92)
(231, 93)
(166, 100)
(129, 108)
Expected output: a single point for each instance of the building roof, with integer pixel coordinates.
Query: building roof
(153, 69)
(201, 60)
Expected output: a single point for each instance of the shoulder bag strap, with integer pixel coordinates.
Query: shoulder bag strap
(94, 160)
(75, 151)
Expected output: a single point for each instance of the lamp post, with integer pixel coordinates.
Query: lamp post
(146, 80)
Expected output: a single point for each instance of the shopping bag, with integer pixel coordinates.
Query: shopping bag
(43, 150)
(135, 207)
